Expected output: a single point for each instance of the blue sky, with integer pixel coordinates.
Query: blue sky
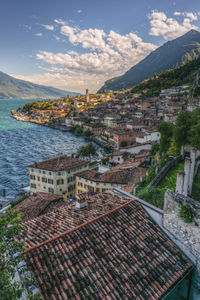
(78, 44)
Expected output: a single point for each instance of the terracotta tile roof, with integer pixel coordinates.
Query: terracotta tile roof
(121, 176)
(59, 163)
(36, 205)
(63, 217)
(120, 255)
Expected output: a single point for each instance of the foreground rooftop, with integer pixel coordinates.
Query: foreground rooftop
(61, 217)
(122, 253)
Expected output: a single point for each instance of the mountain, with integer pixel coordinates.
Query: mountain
(168, 56)
(12, 88)
(187, 74)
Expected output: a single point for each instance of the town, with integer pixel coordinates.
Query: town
(81, 193)
(100, 170)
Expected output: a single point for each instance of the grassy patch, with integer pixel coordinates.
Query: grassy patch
(155, 195)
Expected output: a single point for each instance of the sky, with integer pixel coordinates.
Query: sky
(79, 44)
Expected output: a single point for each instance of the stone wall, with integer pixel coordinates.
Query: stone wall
(186, 233)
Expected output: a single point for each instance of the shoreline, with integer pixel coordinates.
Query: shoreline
(17, 116)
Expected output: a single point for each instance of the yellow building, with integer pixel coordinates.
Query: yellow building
(93, 181)
(56, 175)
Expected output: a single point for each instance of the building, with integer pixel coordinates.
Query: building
(37, 205)
(95, 182)
(56, 175)
(125, 135)
(95, 128)
(62, 217)
(117, 253)
(149, 136)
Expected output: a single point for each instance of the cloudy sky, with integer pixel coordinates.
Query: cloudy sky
(74, 45)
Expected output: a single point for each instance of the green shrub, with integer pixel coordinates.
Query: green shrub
(104, 160)
(186, 213)
(153, 196)
(23, 197)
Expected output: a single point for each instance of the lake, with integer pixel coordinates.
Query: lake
(24, 143)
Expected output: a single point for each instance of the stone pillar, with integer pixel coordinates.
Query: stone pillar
(187, 175)
(191, 177)
(180, 182)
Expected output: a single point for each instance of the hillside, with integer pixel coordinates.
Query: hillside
(168, 56)
(184, 74)
(12, 88)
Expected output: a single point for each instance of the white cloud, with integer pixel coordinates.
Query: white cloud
(106, 56)
(26, 27)
(48, 27)
(191, 16)
(79, 11)
(169, 28)
(38, 34)
(59, 21)
(177, 13)
(57, 38)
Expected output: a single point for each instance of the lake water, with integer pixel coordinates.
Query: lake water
(24, 143)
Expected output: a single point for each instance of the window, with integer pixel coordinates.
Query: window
(50, 181)
(60, 181)
(39, 171)
(43, 172)
(70, 179)
(32, 177)
(59, 173)
(33, 185)
(50, 190)
(31, 170)
(44, 179)
(71, 188)
(49, 173)
(38, 178)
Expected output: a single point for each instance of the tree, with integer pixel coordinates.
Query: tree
(166, 131)
(87, 150)
(182, 128)
(154, 149)
(11, 289)
(104, 160)
(87, 133)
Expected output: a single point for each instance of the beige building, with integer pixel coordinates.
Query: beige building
(56, 175)
(93, 181)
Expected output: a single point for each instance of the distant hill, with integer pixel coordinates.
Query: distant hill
(185, 74)
(168, 56)
(12, 88)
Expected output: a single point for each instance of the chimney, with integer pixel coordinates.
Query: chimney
(80, 202)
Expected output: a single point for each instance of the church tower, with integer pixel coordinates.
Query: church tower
(87, 96)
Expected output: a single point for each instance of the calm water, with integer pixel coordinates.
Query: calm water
(24, 143)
